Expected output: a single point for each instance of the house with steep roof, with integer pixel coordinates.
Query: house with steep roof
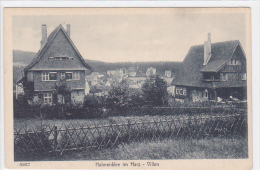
(58, 60)
(212, 71)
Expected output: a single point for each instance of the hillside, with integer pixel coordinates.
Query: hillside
(23, 57)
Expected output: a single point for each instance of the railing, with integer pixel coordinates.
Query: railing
(32, 143)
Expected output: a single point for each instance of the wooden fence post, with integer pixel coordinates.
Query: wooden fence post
(55, 137)
(128, 127)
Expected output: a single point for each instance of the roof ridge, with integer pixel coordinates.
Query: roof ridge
(220, 42)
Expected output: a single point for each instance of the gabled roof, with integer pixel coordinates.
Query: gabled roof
(221, 52)
(50, 38)
(192, 67)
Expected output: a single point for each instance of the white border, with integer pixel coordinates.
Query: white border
(255, 9)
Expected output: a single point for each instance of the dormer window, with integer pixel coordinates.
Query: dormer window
(60, 58)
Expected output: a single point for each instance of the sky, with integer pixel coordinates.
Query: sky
(135, 37)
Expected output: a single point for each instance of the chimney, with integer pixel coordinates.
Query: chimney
(44, 35)
(207, 50)
(68, 29)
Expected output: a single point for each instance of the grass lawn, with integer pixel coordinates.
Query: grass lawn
(215, 148)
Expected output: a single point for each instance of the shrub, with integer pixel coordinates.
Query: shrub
(22, 109)
(155, 91)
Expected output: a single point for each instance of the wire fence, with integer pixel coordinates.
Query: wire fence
(53, 141)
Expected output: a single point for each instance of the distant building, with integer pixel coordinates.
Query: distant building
(119, 72)
(168, 73)
(136, 82)
(132, 71)
(150, 71)
(94, 78)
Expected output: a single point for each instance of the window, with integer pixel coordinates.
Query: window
(76, 75)
(224, 76)
(177, 91)
(181, 91)
(47, 97)
(184, 92)
(62, 76)
(234, 62)
(211, 76)
(68, 75)
(45, 77)
(206, 94)
(243, 76)
(216, 76)
(61, 58)
(206, 76)
(53, 76)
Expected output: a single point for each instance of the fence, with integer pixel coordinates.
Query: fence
(79, 112)
(33, 144)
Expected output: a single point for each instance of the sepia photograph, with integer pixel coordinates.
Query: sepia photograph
(139, 84)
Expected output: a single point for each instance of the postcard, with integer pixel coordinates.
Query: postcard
(128, 88)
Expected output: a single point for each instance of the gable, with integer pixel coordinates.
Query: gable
(239, 54)
(59, 47)
(240, 58)
(58, 44)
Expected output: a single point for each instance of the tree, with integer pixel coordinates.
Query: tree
(62, 89)
(118, 95)
(155, 91)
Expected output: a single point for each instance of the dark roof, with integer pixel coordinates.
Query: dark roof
(19, 80)
(192, 67)
(46, 45)
(220, 53)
